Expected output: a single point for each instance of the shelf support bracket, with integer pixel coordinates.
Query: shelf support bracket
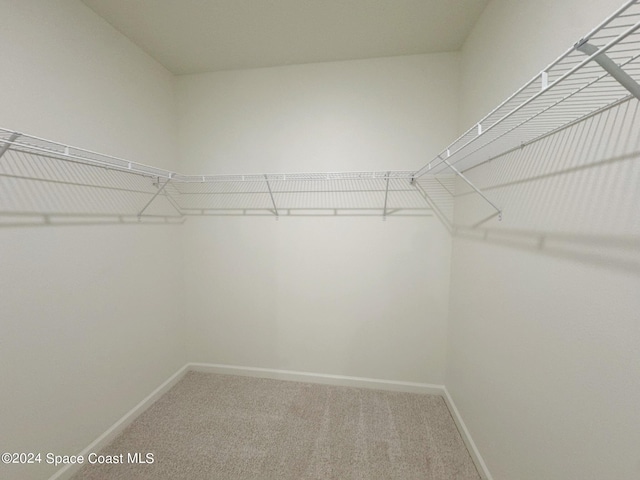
(8, 143)
(477, 190)
(273, 200)
(386, 196)
(611, 67)
(173, 203)
(160, 190)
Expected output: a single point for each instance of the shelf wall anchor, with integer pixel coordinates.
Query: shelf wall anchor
(611, 67)
(544, 80)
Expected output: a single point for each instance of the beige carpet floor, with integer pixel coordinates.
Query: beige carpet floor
(239, 428)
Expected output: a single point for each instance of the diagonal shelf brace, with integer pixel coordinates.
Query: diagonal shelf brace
(386, 197)
(433, 206)
(611, 67)
(173, 202)
(160, 190)
(477, 190)
(273, 200)
(8, 143)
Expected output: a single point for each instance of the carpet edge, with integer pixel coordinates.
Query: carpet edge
(114, 430)
(472, 448)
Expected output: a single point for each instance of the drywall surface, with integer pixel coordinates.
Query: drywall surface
(90, 318)
(347, 296)
(360, 115)
(542, 358)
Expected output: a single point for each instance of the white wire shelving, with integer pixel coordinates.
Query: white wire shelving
(602, 70)
(348, 193)
(39, 176)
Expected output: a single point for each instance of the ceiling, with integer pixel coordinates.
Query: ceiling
(195, 36)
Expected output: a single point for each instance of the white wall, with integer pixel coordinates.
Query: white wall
(346, 296)
(543, 360)
(91, 318)
(542, 349)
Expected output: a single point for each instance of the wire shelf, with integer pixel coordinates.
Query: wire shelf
(570, 89)
(42, 177)
(600, 71)
(366, 193)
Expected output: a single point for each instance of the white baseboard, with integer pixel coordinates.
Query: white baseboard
(103, 440)
(412, 387)
(326, 379)
(466, 437)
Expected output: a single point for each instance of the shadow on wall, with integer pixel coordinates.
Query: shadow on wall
(37, 190)
(572, 194)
